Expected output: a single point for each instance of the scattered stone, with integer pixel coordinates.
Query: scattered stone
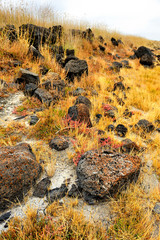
(26, 77)
(147, 60)
(121, 130)
(114, 42)
(84, 100)
(129, 146)
(34, 53)
(101, 132)
(109, 110)
(33, 120)
(75, 68)
(59, 143)
(37, 35)
(44, 96)
(101, 39)
(70, 52)
(110, 128)
(142, 51)
(79, 91)
(94, 92)
(127, 113)
(30, 89)
(69, 58)
(57, 193)
(145, 125)
(10, 32)
(101, 174)
(119, 86)
(102, 48)
(57, 31)
(117, 66)
(125, 64)
(74, 192)
(80, 113)
(19, 171)
(40, 189)
(5, 216)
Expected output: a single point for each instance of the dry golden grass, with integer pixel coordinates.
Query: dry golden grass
(133, 209)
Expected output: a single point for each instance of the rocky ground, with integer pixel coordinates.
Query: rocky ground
(94, 145)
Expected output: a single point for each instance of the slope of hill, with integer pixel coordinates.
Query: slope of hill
(79, 132)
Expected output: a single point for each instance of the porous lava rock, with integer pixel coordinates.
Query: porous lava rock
(84, 100)
(57, 193)
(75, 68)
(10, 32)
(142, 51)
(30, 89)
(40, 189)
(114, 42)
(44, 96)
(145, 126)
(121, 130)
(59, 143)
(18, 172)
(101, 173)
(35, 53)
(147, 60)
(80, 113)
(26, 77)
(118, 86)
(129, 146)
(37, 35)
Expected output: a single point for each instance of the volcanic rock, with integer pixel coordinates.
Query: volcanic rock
(80, 113)
(75, 68)
(18, 172)
(26, 77)
(30, 89)
(59, 143)
(121, 130)
(84, 100)
(145, 125)
(57, 193)
(35, 54)
(41, 188)
(44, 96)
(114, 41)
(101, 174)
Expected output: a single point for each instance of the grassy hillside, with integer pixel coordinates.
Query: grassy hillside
(133, 207)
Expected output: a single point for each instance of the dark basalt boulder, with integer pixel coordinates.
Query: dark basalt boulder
(57, 30)
(70, 52)
(34, 53)
(147, 60)
(41, 189)
(37, 35)
(114, 42)
(142, 51)
(119, 86)
(129, 146)
(30, 89)
(75, 68)
(33, 120)
(18, 172)
(80, 113)
(57, 193)
(44, 96)
(59, 143)
(121, 130)
(101, 174)
(102, 48)
(84, 100)
(26, 77)
(10, 32)
(144, 125)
